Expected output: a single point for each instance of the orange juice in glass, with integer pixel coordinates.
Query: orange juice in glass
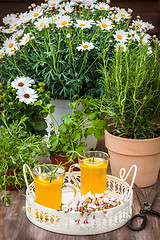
(48, 180)
(93, 168)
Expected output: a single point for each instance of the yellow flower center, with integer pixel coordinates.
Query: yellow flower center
(148, 50)
(119, 37)
(139, 25)
(121, 47)
(10, 45)
(10, 20)
(20, 84)
(143, 42)
(1, 55)
(148, 26)
(115, 17)
(63, 23)
(102, 8)
(81, 24)
(36, 14)
(123, 15)
(85, 46)
(26, 95)
(41, 25)
(104, 25)
(10, 30)
(55, 20)
(53, 4)
(15, 24)
(26, 40)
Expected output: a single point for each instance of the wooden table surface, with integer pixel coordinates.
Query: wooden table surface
(14, 224)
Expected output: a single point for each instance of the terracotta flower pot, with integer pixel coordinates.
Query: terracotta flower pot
(61, 159)
(126, 152)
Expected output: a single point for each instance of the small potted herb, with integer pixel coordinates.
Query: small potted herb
(69, 139)
(17, 147)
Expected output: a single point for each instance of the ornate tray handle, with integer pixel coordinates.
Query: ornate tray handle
(124, 176)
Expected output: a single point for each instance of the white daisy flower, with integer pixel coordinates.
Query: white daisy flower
(85, 46)
(105, 24)
(53, 3)
(18, 34)
(84, 24)
(123, 13)
(68, 9)
(10, 46)
(68, 35)
(63, 21)
(15, 23)
(24, 17)
(27, 95)
(120, 35)
(149, 26)
(54, 18)
(134, 35)
(21, 82)
(8, 30)
(2, 53)
(149, 50)
(9, 18)
(120, 46)
(116, 17)
(25, 39)
(41, 23)
(139, 24)
(145, 39)
(102, 6)
(35, 13)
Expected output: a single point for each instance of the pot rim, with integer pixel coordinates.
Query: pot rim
(131, 139)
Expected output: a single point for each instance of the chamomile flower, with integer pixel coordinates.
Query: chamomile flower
(2, 53)
(36, 13)
(10, 46)
(120, 46)
(105, 24)
(9, 18)
(21, 82)
(15, 23)
(18, 34)
(63, 21)
(24, 17)
(134, 36)
(85, 46)
(84, 24)
(102, 6)
(8, 30)
(68, 35)
(121, 36)
(53, 3)
(41, 23)
(139, 24)
(25, 39)
(149, 50)
(145, 39)
(123, 13)
(149, 26)
(68, 9)
(27, 95)
(116, 17)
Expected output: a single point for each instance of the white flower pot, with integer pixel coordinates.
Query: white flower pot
(61, 109)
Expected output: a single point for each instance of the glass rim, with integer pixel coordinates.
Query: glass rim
(36, 173)
(82, 157)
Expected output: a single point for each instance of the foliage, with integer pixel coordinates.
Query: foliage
(62, 44)
(132, 87)
(17, 147)
(69, 138)
(35, 112)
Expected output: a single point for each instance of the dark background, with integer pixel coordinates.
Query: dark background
(149, 10)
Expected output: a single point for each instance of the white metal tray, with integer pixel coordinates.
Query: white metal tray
(97, 222)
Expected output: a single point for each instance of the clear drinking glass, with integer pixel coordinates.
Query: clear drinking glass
(93, 166)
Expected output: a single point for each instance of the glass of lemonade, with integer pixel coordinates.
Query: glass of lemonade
(93, 166)
(48, 180)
